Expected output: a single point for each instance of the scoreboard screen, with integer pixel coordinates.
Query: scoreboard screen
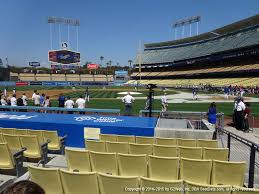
(64, 56)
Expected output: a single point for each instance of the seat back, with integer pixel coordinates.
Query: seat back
(164, 151)
(104, 162)
(52, 136)
(117, 184)
(10, 131)
(79, 182)
(158, 183)
(47, 178)
(140, 148)
(117, 147)
(30, 142)
(78, 160)
(96, 146)
(215, 153)
(198, 171)
(145, 140)
(228, 173)
(165, 168)
(207, 143)
(13, 142)
(132, 165)
(126, 138)
(6, 161)
(192, 188)
(187, 142)
(166, 141)
(108, 137)
(21, 132)
(190, 152)
(38, 133)
(2, 140)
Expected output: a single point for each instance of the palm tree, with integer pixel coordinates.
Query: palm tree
(101, 58)
(130, 61)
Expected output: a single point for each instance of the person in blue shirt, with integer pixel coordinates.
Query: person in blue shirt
(61, 100)
(212, 113)
(42, 100)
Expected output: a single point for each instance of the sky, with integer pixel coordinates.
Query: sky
(108, 28)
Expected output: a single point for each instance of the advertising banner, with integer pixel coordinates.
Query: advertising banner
(34, 64)
(49, 83)
(92, 66)
(36, 83)
(21, 83)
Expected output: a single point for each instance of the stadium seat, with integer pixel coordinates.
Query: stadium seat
(47, 178)
(164, 168)
(117, 147)
(190, 152)
(194, 188)
(198, 171)
(117, 184)
(244, 190)
(145, 140)
(10, 131)
(30, 142)
(215, 153)
(79, 182)
(2, 138)
(160, 186)
(166, 141)
(104, 162)
(38, 133)
(21, 132)
(13, 142)
(140, 148)
(207, 143)
(187, 142)
(96, 146)
(132, 165)
(228, 173)
(78, 160)
(164, 151)
(108, 137)
(56, 143)
(92, 133)
(126, 138)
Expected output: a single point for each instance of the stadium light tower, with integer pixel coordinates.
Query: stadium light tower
(184, 22)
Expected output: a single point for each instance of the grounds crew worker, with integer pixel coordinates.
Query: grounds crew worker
(128, 100)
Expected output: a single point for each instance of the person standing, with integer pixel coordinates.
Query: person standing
(13, 100)
(212, 113)
(42, 100)
(37, 99)
(14, 90)
(3, 101)
(128, 101)
(247, 114)
(69, 104)
(61, 101)
(164, 103)
(33, 97)
(239, 114)
(80, 102)
(25, 99)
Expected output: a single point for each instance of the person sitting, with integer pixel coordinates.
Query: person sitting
(24, 187)
(212, 113)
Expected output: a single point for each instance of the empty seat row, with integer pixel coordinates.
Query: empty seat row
(59, 181)
(157, 150)
(165, 168)
(160, 141)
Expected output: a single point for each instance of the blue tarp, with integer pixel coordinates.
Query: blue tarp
(73, 125)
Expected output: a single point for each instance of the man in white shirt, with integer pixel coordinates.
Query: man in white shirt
(24, 99)
(69, 104)
(80, 103)
(239, 113)
(37, 99)
(33, 96)
(164, 103)
(13, 100)
(128, 100)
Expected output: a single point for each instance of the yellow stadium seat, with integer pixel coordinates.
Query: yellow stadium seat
(79, 182)
(78, 160)
(198, 171)
(117, 147)
(117, 184)
(30, 142)
(190, 152)
(38, 133)
(187, 142)
(132, 165)
(228, 173)
(166, 141)
(108, 137)
(215, 153)
(140, 149)
(194, 188)
(145, 140)
(164, 168)
(21, 132)
(164, 151)
(10, 131)
(6, 161)
(244, 190)
(53, 137)
(207, 143)
(47, 178)
(96, 146)
(13, 142)
(104, 162)
(126, 138)
(154, 186)
(2, 138)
